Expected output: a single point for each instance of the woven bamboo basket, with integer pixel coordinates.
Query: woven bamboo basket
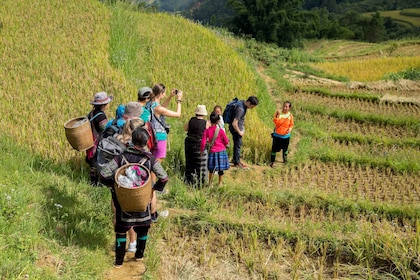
(79, 133)
(133, 199)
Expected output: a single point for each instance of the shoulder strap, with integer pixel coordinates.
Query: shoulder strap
(142, 161)
(216, 133)
(91, 119)
(124, 159)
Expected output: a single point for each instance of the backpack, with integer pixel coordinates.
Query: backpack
(112, 129)
(229, 112)
(152, 142)
(107, 149)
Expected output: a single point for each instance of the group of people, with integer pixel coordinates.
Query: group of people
(206, 142)
(130, 128)
(206, 146)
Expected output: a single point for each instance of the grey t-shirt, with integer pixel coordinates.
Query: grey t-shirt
(240, 112)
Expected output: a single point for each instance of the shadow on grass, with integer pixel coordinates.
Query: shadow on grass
(73, 213)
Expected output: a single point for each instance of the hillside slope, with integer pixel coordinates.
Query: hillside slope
(346, 205)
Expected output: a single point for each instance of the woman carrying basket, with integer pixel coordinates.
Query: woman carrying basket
(141, 220)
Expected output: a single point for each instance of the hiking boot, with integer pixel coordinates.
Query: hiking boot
(132, 247)
(272, 164)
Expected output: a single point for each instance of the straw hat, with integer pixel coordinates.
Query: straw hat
(101, 98)
(133, 110)
(201, 110)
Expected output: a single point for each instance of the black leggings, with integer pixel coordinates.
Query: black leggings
(279, 144)
(121, 242)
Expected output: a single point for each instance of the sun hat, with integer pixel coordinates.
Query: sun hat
(101, 98)
(144, 92)
(133, 110)
(201, 110)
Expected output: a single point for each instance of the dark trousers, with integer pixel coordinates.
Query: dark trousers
(280, 144)
(120, 242)
(237, 144)
(195, 163)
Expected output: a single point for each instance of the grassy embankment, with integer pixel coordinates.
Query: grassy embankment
(347, 205)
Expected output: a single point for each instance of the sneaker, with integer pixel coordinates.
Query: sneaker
(132, 247)
(117, 265)
(164, 213)
(241, 166)
(272, 164)
(156, 215)
(164, 192)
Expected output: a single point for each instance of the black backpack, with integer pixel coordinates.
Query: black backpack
(112, 130)
(109, 146)
(229, 112)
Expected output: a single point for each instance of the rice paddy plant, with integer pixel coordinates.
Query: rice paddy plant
(369, 69)
(127, 51)
(320, 125)
(359, 109)
(368, 97)
(53, 70)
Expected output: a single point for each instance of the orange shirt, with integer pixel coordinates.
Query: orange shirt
(283, 122)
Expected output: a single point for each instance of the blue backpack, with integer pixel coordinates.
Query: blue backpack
(229, 112)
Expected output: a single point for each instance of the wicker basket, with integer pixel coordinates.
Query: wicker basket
(133, 199)
(79, 133)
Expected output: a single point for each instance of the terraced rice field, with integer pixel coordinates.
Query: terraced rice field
(350, 210)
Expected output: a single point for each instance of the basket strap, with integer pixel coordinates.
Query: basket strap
(141, 162)
(124, 159)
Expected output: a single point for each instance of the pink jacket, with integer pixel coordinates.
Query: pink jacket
(221, 141)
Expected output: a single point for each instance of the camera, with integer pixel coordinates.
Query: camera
(176, 91)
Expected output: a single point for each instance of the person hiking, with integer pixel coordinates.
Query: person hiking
(98, 121)
(139, 221)
(158, 110)
(143, 96)
(217, 155)
(157, 107)
(237, 128)
(123, 113)
(284, 123)
(119, 112)
(195, 161)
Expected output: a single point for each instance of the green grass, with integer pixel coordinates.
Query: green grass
(46, 222)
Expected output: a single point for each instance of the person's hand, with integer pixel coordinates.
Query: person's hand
(179, 94)
(241, 133)
(277, 114)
